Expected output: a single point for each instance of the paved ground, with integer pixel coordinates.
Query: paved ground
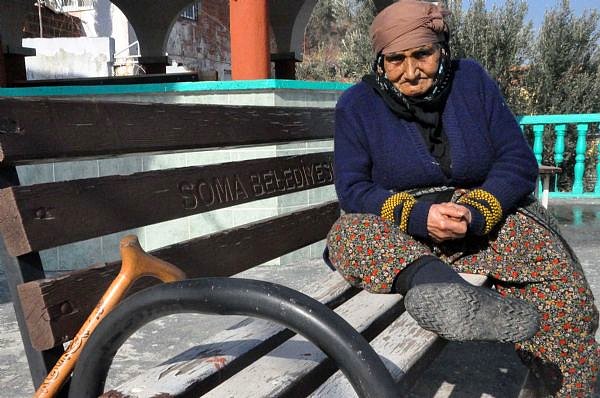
(464, 370)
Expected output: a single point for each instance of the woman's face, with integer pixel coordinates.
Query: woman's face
(412, 71)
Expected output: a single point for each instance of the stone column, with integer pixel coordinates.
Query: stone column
(12, 19)
(14, 67)
(2, 67)
(249, 27)
(154, 65)
(285, 65)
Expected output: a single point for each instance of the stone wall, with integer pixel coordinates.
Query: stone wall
(203, 44)
(53, 24)
(62, 58)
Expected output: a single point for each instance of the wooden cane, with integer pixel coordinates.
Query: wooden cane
(135, 264)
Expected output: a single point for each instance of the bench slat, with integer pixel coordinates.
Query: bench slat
(401, 346)
(284, 367)
(56, 308)
(38, 217)
(200, 368)
(33, 130)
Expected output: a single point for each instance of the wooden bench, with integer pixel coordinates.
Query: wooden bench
(545, 173)
(269, 361)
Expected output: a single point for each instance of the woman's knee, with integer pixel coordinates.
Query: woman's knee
(370, 251)
(357, 235)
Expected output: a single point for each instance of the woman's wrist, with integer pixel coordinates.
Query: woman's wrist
(397, 208)
(476, 225)
(485, 210)
(417, 222)
(407, 213)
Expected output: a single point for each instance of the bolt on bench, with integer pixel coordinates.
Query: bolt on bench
(255, 358)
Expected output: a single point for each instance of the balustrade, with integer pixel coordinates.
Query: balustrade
(584, 131)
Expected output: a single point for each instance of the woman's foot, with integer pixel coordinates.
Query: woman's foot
(462, 312)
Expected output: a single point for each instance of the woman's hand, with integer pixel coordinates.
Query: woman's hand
(447, 221)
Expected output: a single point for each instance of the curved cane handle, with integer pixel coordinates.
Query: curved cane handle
(135, 264)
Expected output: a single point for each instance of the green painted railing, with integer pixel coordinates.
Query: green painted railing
(584, 131)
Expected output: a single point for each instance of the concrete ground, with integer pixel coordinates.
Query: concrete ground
(463, 370)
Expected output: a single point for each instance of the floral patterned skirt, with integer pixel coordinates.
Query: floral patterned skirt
(525, 257)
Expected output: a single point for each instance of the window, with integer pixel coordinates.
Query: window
(75, 5)
(190, 12)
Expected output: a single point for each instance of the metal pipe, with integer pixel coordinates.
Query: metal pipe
(39, 4)
(232, 296)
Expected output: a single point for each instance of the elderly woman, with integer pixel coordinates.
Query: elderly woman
(435, 178)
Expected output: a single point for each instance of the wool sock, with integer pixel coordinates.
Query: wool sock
(426, 269)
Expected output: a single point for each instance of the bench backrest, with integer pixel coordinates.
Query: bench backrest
(42, 216)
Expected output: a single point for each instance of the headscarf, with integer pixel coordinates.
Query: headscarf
(408, 24)
(401, 26)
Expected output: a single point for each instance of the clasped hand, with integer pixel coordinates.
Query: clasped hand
(447, 221)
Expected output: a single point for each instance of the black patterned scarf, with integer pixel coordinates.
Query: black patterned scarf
(426, 110)
(416, 108)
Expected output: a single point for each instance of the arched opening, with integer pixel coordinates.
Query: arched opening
(336, 44)
(313, 32)
(119, 38)
(78, 39)
(199, 41)
(169, 36)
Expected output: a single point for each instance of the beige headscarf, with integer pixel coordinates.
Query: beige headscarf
(407, 24)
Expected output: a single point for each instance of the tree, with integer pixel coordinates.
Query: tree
(320, 48)
(337, 43)
(556, 72)
(321, 27)
(356, 55)
(498, 38)
(564, 77)
(565, 65)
